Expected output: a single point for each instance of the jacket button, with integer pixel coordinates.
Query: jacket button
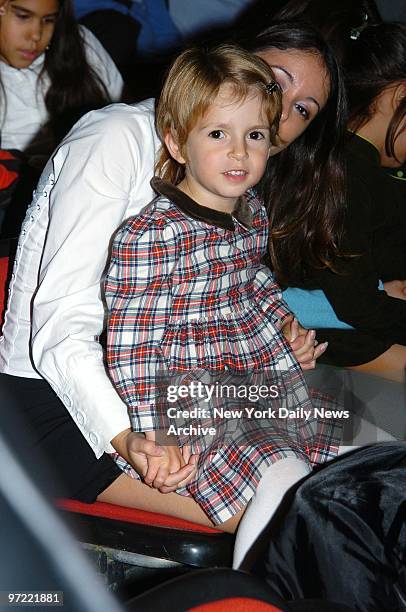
(67, 401)
(94, 438)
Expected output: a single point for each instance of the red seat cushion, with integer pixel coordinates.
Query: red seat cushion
(237, 604)
(132, 515)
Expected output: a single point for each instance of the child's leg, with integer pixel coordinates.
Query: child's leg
(125, 491)
(275, 482)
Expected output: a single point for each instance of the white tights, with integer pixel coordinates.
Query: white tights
(276, 481)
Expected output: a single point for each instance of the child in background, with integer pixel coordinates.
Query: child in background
(51, 72)
(186, 288)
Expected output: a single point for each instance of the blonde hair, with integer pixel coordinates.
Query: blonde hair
(192, 85)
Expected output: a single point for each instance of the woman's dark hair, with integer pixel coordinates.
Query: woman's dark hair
(75, 88)
(376, 60)
(336, 21)
(304, 185)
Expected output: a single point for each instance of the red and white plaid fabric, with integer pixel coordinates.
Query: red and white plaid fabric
(186, 289)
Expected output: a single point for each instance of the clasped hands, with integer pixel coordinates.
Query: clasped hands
(303, 343)
(166, 468)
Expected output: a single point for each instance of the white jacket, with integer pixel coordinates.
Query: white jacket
(97, 177)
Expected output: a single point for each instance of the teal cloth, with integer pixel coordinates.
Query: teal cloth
(312, 309)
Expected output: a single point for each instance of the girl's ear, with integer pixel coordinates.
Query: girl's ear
(389, 99)
(172, 144)
(2, 10)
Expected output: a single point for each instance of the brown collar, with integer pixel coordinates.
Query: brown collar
(210, 216)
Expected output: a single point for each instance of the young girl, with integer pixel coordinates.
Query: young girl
(51, 73)
(186, 289)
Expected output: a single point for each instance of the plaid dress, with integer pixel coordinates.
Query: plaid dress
(187, 292)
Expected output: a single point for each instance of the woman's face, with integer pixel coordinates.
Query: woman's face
(305, 86)
(26, 29)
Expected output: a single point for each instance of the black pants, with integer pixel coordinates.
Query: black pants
(39, 425)
(344, 536)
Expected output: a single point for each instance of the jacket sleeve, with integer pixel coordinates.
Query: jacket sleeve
(102, 173)
(138, 296)
(353, 291)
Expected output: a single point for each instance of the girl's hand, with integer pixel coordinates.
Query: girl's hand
(304, 345)
(159, 468)
(173, 482)
(187, 454)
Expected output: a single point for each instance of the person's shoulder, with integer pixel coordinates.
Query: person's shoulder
(90, 40)
(368, 184)
(100, 61)
(117, 145)
(126, 115)
(254, 200)
(117, 121)
(95, 52)
(257, 206)
(151, 233)
(157, 219)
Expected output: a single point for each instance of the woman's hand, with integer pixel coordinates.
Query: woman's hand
(304, 344)
(396, 289)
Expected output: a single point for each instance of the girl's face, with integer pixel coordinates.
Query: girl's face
(226, 151)
(305, 86)
(26, 29)
(382, 112)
